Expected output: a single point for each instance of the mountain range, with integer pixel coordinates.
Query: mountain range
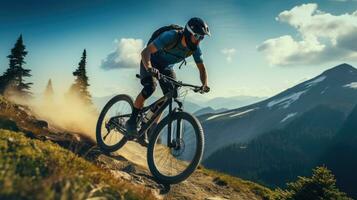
(335, 88)
(309, 125)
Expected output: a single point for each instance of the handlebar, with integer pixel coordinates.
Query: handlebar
(195, 88)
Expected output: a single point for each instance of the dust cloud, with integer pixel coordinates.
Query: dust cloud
(68, 113)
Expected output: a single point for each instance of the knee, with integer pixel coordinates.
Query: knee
(148, 90)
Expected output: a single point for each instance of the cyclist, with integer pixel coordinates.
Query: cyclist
(159, 57)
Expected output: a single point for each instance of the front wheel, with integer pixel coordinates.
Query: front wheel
(175, 148)
(111, 123)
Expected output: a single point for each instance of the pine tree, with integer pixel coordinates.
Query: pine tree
(80, 86)
(322, 185)
(48, 94)
(3, 83)
(13, 79)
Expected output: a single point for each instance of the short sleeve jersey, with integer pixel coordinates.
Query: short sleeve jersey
(168, 58)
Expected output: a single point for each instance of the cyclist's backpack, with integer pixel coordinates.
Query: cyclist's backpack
(166, 28)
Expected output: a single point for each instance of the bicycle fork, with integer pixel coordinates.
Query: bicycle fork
(174, 142)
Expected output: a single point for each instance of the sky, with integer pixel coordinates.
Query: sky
(257, 48)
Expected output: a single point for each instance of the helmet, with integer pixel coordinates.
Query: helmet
(196, 27)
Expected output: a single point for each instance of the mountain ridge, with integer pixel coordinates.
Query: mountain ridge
(245, 123)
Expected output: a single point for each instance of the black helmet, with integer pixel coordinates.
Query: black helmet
(196, 27)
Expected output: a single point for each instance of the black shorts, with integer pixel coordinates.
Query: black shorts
(147, 79)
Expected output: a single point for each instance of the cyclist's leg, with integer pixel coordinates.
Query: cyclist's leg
(149, 86)
(166, 86)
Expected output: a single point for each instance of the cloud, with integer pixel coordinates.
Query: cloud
(322, 37)
(126, 54)
(228, 53)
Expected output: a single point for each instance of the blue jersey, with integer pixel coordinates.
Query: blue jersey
(168, 58)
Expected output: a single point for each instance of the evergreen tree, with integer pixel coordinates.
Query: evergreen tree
(80, 86)
(3, 83)
(322, 185)
(13, 79)
(48, 95)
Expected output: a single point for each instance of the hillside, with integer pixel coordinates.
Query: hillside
(34, 169)
(66, 163)
(290, 152)
(341, 155)
(334, 88)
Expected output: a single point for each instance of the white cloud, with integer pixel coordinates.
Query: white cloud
(322, 37)
(229, 53)
(126, 54)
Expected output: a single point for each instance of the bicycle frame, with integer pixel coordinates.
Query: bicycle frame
(166, 101)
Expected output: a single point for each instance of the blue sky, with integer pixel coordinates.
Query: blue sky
(257, 48)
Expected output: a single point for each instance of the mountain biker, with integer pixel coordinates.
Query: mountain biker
(157, 58)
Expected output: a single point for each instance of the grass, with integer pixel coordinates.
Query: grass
(238, 184)
(33, 169)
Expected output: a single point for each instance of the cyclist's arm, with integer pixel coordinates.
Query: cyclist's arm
(197, 56)
(146, 55)
(203, 74)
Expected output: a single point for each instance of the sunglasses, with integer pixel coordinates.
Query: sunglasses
(196, 35)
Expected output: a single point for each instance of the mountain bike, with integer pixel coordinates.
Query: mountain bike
(176, 144)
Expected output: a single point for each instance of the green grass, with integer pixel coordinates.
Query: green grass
(240, 185)
(33, 169)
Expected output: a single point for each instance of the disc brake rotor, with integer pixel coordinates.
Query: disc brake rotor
(178, 147)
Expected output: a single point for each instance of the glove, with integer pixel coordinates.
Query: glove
(205, 89)
(154, 72)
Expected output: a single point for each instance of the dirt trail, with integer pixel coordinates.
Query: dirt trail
(129, 163)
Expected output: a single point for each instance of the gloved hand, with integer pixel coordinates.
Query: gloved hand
(205, 89)
(154, 72)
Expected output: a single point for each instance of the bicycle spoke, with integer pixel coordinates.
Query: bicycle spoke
(113, 122)
(174, 160)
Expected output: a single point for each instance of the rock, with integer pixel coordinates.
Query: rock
(8, 124)
(121, 174)
(41, 124)
(129, 169)
(219, 182)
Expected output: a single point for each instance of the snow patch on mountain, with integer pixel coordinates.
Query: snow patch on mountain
(288, 117)
(218, 115)
(287, 100)
(352, 85)
(315, 81)
(242, 113)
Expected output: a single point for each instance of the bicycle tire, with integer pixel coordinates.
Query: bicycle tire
(198, 131)
(105, 148)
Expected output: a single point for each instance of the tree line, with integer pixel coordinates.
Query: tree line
(13, 80)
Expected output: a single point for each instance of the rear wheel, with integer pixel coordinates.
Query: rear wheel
(174, 161)
(111, 123)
